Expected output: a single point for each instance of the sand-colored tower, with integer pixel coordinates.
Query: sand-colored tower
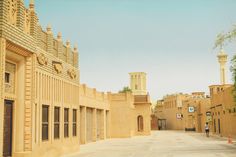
(138, 83)
(222, 58)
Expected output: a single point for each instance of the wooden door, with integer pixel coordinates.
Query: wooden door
(7, 129)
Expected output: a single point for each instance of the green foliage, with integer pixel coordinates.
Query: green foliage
(125, 89)
(223, 38)
(233, 69)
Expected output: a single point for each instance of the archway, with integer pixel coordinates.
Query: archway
(140, 123)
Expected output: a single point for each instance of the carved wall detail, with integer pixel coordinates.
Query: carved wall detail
(42, 60)
(57, 66)
(72, 73)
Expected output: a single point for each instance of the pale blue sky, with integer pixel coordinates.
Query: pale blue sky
(170, 40)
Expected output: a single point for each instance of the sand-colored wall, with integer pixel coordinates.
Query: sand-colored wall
(122, 112)
(197, 119)
(223, 110)
(125, 109)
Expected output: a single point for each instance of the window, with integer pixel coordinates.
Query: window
(7, 77)
(56, 122)
(74, 122)
(45, 115)
(136, 86)
(66, 122)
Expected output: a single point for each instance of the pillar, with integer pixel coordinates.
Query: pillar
(59, 46)
(68, 52)
(49, 40)
(20, 14)
(33, 20)
(103, 123)
(2, 88)
(28, 104)
(83, 126)
(75, 57)
(94, 124)
(108, 119)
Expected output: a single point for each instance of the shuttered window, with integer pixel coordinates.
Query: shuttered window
(56, 122)
(66, 122)
(45, 117)
(74, 122)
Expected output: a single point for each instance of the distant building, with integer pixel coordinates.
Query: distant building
(183, 111)
(195, 110)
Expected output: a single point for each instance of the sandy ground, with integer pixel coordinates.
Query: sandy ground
(160, 144)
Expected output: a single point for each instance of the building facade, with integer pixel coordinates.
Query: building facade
(195, 111)
(183, 112)
(44, 110)
(223, 110)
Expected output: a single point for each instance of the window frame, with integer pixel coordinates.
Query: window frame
(9, 77)
(57, 122)
(74, 122)
(66, 123)
(45, 122)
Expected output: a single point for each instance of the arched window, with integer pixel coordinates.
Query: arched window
(140, 123)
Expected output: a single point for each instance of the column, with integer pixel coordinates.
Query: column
(49, 40)
(94, 124)
(28, 104)
(83, 125)
(108, 118)
(20, 14)
(103, 123)
(2, 74)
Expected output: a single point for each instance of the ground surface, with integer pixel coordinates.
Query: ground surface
(160, 144)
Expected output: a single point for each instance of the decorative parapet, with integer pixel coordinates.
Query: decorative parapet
(14, 13)
(92, 93)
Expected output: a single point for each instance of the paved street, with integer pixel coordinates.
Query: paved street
(161, 144)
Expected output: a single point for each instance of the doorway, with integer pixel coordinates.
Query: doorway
(7, 128)
(219, 126)
(140, 123)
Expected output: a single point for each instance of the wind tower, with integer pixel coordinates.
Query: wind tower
(138, 83)
(222, 58)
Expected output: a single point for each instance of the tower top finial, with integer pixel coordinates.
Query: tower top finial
(31, 5)
(59, 36)
(67, 43)
(49, 28)
(75, 48)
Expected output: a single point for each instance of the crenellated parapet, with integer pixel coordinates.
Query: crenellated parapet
(25, 21)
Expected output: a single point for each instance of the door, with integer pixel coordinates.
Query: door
(7, 129)
(140, 123)
(219, 126)
(214, 125)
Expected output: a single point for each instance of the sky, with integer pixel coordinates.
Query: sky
(171, 40)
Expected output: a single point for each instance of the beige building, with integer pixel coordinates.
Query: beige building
(195, 111)
(133, 110)
(44, 110)
(172, 111)
(183, 112)
(223, 110)
(223, 105)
